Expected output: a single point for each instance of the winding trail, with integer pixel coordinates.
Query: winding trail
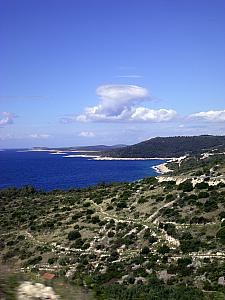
(155, 214)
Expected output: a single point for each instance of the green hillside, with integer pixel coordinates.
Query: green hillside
(169, 146)
(157, 238)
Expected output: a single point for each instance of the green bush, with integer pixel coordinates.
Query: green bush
(202, 185)
(185, 186)
(163, 249)
(221, 235)
(203, 195)
(73, 235)
(52, 260)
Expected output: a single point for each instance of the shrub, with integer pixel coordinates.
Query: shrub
(186, 236)
(185, 186)
(163, 249)
(109, 207)
(145, 250)
(152, 239)
(95, 219)
(221, 235)
(222, 215)
(183, 262)
(192, 245)
(114, 256)
(169, 197)
(210, 205)
(121, 204)
(111, 234)
(203, 195)
(73, 235)
(33, 261)
(202, 185)
(77, 244)
(150, 180)
(51, 260)
(170, 229)
(90, 211)
(142, 200)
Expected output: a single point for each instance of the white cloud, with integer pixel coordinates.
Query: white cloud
(115, 97)
(146, 114)
(86, 134)
(211, 115)
(6, 118)
(39, 136)
(119, 103)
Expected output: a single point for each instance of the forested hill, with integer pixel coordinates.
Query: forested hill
(99, 147)
(169, 146)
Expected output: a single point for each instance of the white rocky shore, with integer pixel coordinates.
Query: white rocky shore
(128, 158)
(98, 157)
(31, 291)
(163, 168)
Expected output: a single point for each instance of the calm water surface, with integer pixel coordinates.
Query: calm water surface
(47, 171)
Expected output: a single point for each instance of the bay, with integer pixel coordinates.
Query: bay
(46, 171)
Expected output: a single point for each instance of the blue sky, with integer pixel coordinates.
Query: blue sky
(84, 72)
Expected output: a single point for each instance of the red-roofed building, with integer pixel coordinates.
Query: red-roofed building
(48, 276)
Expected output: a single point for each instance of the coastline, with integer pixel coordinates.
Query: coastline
(79, 155)
(97, 157)
(162, 169)
(129, 158)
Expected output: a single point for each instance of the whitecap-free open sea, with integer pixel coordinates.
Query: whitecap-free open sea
(47, 172)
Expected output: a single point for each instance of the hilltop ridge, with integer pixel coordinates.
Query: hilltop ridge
(169, 146)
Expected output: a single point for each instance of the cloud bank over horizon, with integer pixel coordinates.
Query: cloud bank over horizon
(211, 115)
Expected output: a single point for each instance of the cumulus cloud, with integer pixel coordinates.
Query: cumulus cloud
(211, 115)
(86, 134)
(39, 136)
(115, 97)
(146, 114)
(119, 103)
(6, 118)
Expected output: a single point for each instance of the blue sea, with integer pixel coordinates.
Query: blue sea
(46, 171)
